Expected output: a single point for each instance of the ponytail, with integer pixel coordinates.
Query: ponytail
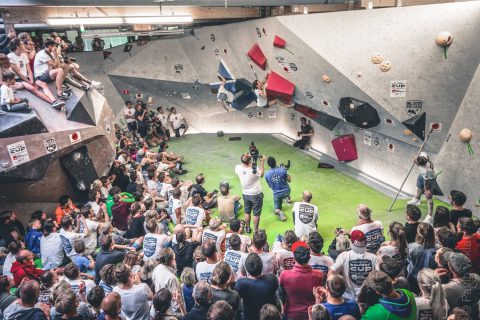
(431, 285)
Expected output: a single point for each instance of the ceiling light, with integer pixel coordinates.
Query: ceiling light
(159, 20)
(84, 21)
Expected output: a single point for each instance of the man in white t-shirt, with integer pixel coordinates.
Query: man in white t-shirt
(175, 206)
(204, 269)
(47, 68)
(177, 122)
(215, 232)
(305, 215)
(51, 247)
(234, 256)
(269, 261)
(251, 188)
(153, 242)
(355, 265)
(318, 261)
(194, 216)
(373, 230)
(129, 116)
(68, 235)
(282, 248)
(164, 121)
(237, 228)
(92, 226)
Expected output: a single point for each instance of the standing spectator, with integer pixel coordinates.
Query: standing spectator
(164, 120)
(164, 276)
(355, 265)
(463, 290)
(202, 294)
(221, 291)
(269, 312)
(432, 303)
(120, 210)
(251, 188)
(373, 230)
(97, 44)
(318, 261)
(469, 245)
(278, 179)
(394, 304)
(204, 269)
(413, 215)
(458, 199)
(107, 255)
(297, 285)
(23, 267)
(177, 122)
(51, 246)
(47, 69)
(221, 310)
(305, 215)
(188, 283)
(257, 289)
(135, 295)
(129, 116)
(332, 299)
(269, 261)
(421, 254)
(306, 133)
(141, 118)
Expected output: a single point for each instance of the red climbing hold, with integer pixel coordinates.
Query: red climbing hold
(279, 42)
(279, 87)
(256, 55)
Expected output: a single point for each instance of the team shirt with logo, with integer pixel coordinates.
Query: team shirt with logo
(374, 234)
(91, 240)
(177, 120)
(194, 216)
(305, 218)
(153, 244)
(234, 259)
(217, 236)
(246, 241)
(283, 256)
(355, 268)
(204, 271)
(68, 240)
(322, 263)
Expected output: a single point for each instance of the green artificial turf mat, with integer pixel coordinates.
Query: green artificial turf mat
(336, 195)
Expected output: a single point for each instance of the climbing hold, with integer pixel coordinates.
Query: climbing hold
(466, 136)
(377, 58)
(407, 132)
(326, 78)
(385, 66)
(359, 74)
(150, 101)
(444, 39)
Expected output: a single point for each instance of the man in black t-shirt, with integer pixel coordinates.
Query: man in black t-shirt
(209, 200)
(458, 199)
(306, 132)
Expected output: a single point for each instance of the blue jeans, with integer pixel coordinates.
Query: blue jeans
(16, 107)
(278, 199)
(236, 207)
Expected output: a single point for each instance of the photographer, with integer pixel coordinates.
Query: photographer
(251, 188)
(142, 119)
(306, 132)
(278, 179)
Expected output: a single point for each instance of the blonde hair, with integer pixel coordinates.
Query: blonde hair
(431, 284)
(343, 244)
(188, 277)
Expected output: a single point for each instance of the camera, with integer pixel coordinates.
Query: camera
(286, 166)
(255, 155)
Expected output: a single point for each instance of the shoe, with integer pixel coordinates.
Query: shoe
(415, 201)
(86, 88)
(65, 96)
(58, 105)
(288, 200)
(282, 216)
(2, 112)
(66, 88)
(95, 84)
(248, 229)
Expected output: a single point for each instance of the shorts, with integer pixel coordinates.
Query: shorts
(254, 202)
(132, 126)
(278, 199)
(45, 77)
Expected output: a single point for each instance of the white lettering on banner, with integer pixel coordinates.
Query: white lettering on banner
(18, 153)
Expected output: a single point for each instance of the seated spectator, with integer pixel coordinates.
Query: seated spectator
(164, 276)
(6, 235)
(120, 210)
(441, 219)
(469, 245)
(161, 304)
(463, 290)
(209, 200)
(318, 312)
(33, 237)
(8, 101)
(154, 242)
(66, 306)
(228, 205)
(107, 256)
(23, 267)
(83, 262)
(445, 237)
(135, 296)
(413, 215)
(421, 254)
(282, 248)
(355, 265)
(13, 248)
(74, 279)
(297, 285)
(194, 216)
(221, 310)
(135, 227)
(318, 261)
(394, 304)
(107, 275)
(305, 215)
(188, 283)
(24, 76)
(457, 200)
(233, 256)
(221, 281)
(111, 307)
(24, 308)
(184, 248)
(215, 232)
(339, 244)
(396, 248)
(257, 288)
(269, 312)
(65, 207)
(432, 303)
(204, 270)
(236, 227)
(332, 299)
(202, 295)
(269, 261)
(373, 230)
(395, 269)
(459, 314)
(69, 235)
(6, 298)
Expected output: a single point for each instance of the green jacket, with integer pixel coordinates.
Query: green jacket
(110, 201)
(389, 310)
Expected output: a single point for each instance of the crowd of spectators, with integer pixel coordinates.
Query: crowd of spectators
(26, 66)
(148, 245)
